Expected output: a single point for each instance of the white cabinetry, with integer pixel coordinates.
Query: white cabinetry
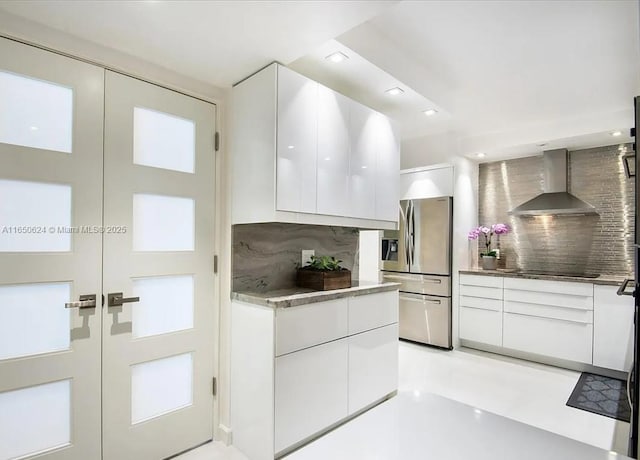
(362, 168)
(311, 390)
(333, 152)
(481, 309)
(297, 371)
(433, 182)
(562, 320)
(373, 364)
(304, 153)
(550, 318)
(612, 329)
(297, 141)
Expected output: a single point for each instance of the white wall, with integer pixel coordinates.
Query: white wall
(428, 150)
(465, 217)
(369, 255)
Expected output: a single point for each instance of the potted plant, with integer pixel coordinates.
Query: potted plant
(323, 273)
(488, 257)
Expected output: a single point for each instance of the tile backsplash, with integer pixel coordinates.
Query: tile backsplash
(585, 244)
(265, 256)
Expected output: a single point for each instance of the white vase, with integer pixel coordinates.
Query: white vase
(489, 262)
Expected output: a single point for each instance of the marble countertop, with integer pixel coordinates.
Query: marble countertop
(512, 273)
(292, 297)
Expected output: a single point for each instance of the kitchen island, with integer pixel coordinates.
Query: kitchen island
(306, 361)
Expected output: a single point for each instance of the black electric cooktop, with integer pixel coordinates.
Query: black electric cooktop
(551, 273)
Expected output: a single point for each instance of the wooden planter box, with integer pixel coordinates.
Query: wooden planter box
(323, 281)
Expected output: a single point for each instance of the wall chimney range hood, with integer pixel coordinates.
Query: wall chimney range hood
(555, 200)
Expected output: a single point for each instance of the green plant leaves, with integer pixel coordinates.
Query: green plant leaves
(324, 263)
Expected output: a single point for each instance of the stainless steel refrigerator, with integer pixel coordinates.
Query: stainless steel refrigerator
(418, 256)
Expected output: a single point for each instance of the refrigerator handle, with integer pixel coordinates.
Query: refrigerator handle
(413, 234)
(406, 232)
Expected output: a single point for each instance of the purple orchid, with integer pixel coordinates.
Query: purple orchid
(496, 229)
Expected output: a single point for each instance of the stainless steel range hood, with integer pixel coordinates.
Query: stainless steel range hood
(555, 200)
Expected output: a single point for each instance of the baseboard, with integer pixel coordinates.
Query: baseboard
(225, 435)
(541, 359)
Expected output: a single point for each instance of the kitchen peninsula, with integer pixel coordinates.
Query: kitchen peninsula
(305, 361)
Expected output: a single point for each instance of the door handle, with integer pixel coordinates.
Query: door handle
(622, 289)
(625, 163)
(116, 299)
(86, 301)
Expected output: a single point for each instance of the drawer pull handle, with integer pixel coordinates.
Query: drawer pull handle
(404, 278)
(552, 319)
(411, 299)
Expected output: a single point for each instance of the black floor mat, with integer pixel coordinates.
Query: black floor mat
(601, 395)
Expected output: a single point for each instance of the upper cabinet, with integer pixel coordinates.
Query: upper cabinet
(333, 152)
(432, 182)
(297, 142)
(304, 153)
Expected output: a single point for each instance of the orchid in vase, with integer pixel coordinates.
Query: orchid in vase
(487, 233)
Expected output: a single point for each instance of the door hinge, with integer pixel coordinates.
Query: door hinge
(214, 386)
(215, 264)
(216, 141)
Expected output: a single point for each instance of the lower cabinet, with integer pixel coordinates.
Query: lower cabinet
(311, 389)
(613, 329)
(478, 325)
(373, 366)
(584, 323)
(549, 337)
(297, 371)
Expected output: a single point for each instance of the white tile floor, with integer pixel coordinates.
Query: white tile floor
(526, 392)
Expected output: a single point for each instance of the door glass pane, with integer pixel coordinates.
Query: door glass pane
(161, 386)
(163, 223)
(34, 216)
(163, 141)
(166, 305)
(33, 319)
(35, 419)
(35, 113)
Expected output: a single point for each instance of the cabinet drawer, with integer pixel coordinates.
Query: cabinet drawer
(311, 391)
(549, 311)
(484, 326)
(549, 337)
(558, 287)
(312, 324)
(373, 366)
(549, 298)
(480, 291)
(372, 310)
(480, 280)
(482, 303)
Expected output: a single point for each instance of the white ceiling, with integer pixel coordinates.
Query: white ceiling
(505, 75)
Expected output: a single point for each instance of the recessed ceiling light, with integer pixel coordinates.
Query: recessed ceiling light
(290, 146)
(33, 128)
(394, 91)
(480, 155)
(337, 57)
(616, 133)
(430, 112)
(363, 167)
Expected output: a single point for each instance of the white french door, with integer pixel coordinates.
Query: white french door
(158, 350)
(127, 381)
(51, 121)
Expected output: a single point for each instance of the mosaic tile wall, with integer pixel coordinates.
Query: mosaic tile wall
(582, 244)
